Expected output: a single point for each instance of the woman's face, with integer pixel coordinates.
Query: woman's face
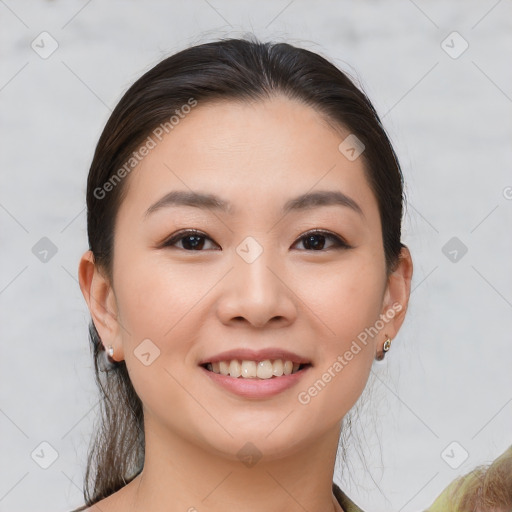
(250, 286)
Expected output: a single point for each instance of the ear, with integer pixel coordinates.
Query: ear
(100, 298)
(396, 295)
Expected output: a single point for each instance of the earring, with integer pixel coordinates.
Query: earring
(385, 348)
(106, 361)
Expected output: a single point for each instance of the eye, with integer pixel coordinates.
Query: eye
(191, 240)
(315, 240)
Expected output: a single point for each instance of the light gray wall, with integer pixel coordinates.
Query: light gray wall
(448, 375)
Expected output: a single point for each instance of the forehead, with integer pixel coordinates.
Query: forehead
(255, 155)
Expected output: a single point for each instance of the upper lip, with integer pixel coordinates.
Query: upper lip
(241, 354)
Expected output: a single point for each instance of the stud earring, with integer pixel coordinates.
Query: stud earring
(107, 362)
(385, 348)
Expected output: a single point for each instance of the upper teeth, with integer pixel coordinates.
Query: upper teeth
(251, 369)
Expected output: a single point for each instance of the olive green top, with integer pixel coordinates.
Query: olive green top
(346, 503)
(491, 481)
(453, 498)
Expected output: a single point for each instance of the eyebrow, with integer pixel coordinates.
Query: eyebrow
(303, 202)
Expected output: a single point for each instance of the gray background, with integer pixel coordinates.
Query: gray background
(448, 375)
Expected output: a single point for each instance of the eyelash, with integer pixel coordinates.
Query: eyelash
(339, 243)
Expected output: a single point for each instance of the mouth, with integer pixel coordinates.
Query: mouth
(253, 369)
(255, 374)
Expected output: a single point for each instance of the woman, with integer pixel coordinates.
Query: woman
(245, 270)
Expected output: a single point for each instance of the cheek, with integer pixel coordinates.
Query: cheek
(161, 302)
(349, 304)
(346, 297)
(155, 297)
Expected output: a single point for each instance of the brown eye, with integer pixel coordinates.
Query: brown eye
(194, 241)
(190, 240)
(315, 241)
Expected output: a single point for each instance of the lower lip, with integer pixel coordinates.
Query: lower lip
(256, 388)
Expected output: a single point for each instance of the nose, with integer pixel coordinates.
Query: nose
(257, 293)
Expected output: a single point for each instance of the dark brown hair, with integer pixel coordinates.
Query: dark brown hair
(227, 70)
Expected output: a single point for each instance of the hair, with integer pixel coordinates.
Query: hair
(488, 488)
(224, 70)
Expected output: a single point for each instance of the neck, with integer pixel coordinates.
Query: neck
(180, 476)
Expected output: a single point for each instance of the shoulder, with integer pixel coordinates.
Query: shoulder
(94, 508)
(119, 501)
(346, 503)
(103, 505)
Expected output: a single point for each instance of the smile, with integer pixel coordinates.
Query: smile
(264, 370)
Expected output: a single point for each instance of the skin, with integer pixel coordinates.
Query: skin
(196, 304)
